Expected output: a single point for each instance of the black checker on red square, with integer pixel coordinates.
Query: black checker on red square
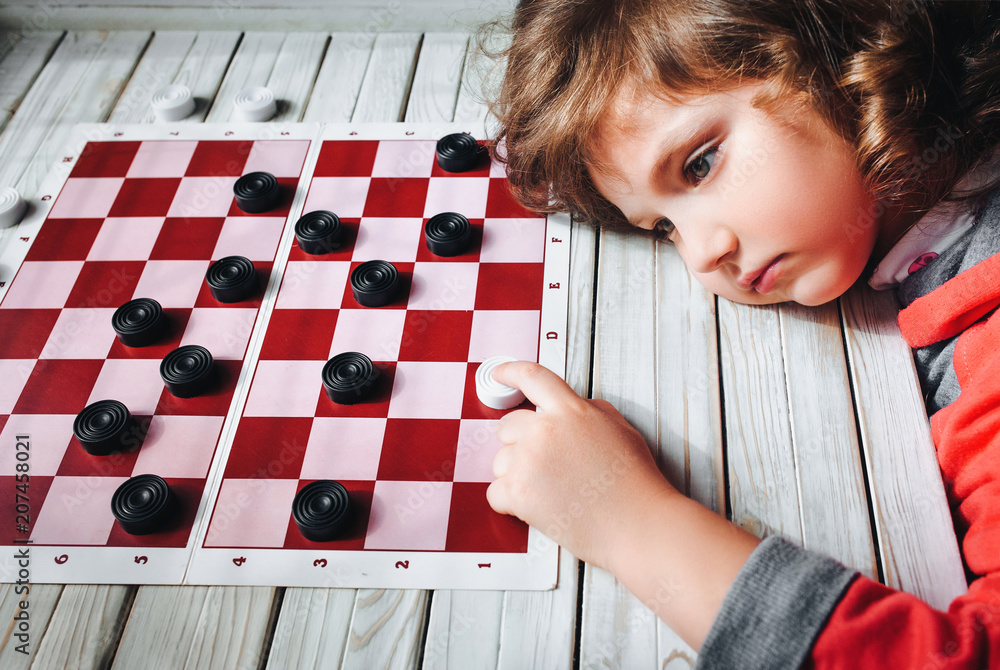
(375, 406)
(269, 448)
(470, 255)
(76, 462)
(286, 187)
(299, 334)
(396, 197)
(419, 450)
(186, 498)
(64, 240)
(223, 158)
(473, 526)
(24, 332)
(405, 273)
(105, 159)
(175, 319)
(510, 286)
(213, 402)
(436, 335)
(183, 239)
(361, 494)
(57, 386)
(346, 159)
(105, 284)
(348, 238)
(261, 269)
(145, 197)
(482, 168)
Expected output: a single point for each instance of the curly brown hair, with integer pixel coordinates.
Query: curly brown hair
(914, 86)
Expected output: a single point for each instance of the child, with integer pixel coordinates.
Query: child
(869, 127)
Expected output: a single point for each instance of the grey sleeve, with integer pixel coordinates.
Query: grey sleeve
(776, 608)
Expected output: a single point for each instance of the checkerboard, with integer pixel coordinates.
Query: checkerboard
(141, 211)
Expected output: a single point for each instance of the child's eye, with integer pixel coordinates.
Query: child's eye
(699, 167)
(663, 229)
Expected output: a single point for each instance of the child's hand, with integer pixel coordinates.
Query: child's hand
(576, 470)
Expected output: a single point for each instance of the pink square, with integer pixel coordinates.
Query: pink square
(344, 196)
(423, 390)
(224, 332)
(42, 284)
(313, 284)
(513, 241)
(135, 382)
(252, 513)
(50, 435)
(179, 447)
(285, 388)
(254, 237)
(343, 448)
(14, 372)
(504, 333)
(439, 286)
(477, 445)
(174, 284)
(409, 516)
(375, 333)
(86, 198)
(498, 169)
(468, 198)
(77, 510)
(393, 240)
(80, 333)
(200, 197)
(282, 158)
(125, 239)
(404, 158)
(161, 159)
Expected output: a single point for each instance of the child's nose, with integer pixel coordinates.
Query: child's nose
(709, 248)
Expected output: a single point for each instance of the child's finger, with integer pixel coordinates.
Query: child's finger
(544, 388)
(511, 426)
(497, 498)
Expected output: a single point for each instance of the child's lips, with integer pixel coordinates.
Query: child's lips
(761, 280)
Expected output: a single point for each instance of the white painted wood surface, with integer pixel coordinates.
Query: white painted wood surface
(22, 59)
(796, 460)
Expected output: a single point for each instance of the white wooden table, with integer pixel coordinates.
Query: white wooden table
(793, 421)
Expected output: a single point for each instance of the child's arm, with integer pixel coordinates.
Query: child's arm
(578, 472)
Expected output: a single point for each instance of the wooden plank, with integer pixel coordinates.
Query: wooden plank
(386, 629)
(312, 628)
(205, 66)
(338, 83)
(197, 627)
(85, 627)
(251, 66)
(481, 79)
(387, 82)
(436, 79)
(20, 66)
(294, 73)
(158, 67)
(463, 630)
(914, 531)
(39, 602)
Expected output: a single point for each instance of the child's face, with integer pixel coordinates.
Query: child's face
(764, 207)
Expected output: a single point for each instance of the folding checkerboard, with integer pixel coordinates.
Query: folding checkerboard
(142, 211)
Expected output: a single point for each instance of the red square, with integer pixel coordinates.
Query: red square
(269, 448)
(349, 236)
(346, 158)
(105, 284)
(472, 408)
(436, 335)
(263, 271)
(377, 405)
(396, 197)
(470, 255)
(405, 271)
(64, 240)
(286, 187)
(58, 386)
(77, 462)
(24, 332)
(187, 239)
(500, 203)
(170, 339)
(187, 496)
(353, 537)
(510, 286)
(223, 158)
(105, 159)
(419, 450)
(145, 197)
(299, 335)
(482, 168)
(35, 489)
(213, 402)
(473, 526)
